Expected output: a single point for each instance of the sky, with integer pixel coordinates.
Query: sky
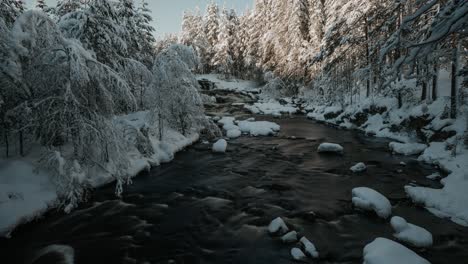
(168, 13)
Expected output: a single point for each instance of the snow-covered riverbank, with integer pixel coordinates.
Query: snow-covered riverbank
(27, 192)
(424, 129)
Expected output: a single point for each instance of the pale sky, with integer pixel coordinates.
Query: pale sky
(168, 13)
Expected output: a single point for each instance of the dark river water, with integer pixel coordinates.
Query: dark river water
(215, 208)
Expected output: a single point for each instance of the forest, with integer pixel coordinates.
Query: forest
(91, 96)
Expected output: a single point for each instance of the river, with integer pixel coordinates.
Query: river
(215, 208)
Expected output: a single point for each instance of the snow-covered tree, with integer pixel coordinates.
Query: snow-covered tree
(223, 56)
(98, 29)
(10, 10)
(177, 102)
(211, 28)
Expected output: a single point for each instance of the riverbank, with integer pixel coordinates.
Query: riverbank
(27, 192)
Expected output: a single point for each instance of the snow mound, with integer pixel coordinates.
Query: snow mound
(309, 247)
(407, 148)
(259, 128)
(385, 251)
(278, 226)
(289, 237)
(220, 146)
(360, 167)
(371, 200)
(233, 133)
(228, 123)
(412, 234)
(297, 254)
(330, 148)
(271, 107)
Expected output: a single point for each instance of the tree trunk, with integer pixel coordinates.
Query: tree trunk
(453, 90)
(21, 143)
(366, 27)
(7, 145)
(435, 76)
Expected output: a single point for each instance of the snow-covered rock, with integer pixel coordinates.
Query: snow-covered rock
(385, 251)
(371, 200)
(309, 247)
(289, 237)
(360, 167)
(233, 133)
(407, 148)
(297, 254)
(259, 128)
(278, 226)
(330, 148)
(271, 107)
(412, 234)
(220, 146)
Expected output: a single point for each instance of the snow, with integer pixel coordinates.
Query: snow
(385, 251)
(359, 167)
(407, 149)
(450, 201)
(412, 234)
(235, 128)
(371, 200)
(278, 225)
(220, 146)
(297, 254)
(233, 133)
(230, 85)
(24, 194)
(271, 107)
(259, 128)
(289, 237)
(309, 247)
(330, 147)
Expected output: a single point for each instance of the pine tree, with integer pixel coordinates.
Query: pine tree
(10, 10)
(41, 4)
(211, 28)
(223, 56)
(145, 36)
(66, 6)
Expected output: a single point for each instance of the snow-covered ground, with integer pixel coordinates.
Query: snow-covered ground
(233, 84)
(26, 192)
(450, 201)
